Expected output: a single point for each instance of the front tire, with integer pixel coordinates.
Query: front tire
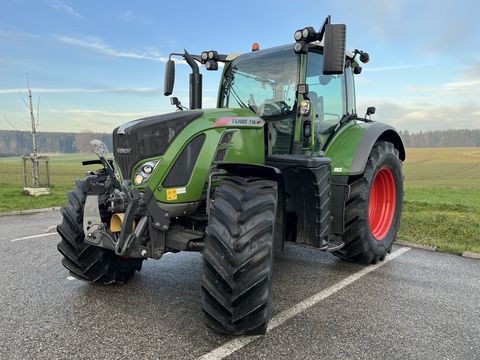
(238, 256)
(84, 261)
(374, 207)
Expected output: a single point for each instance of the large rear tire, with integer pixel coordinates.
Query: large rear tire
(374, 208)
(238, 256)
(85, 261)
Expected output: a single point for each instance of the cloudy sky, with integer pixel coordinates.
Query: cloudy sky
(96, 64)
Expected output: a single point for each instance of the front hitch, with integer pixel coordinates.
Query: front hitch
(139, 206)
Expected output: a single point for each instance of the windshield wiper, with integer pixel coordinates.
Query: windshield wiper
(237, 98)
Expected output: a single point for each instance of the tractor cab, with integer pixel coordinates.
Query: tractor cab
(266, 82)
(303, 91)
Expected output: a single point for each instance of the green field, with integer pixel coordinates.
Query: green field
(442, 194)
(442, 198)
(64, 169)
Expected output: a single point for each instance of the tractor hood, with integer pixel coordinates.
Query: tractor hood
(151, 137)
(147, 137)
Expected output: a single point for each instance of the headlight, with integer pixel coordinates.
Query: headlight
(144, 172)
(138, 179)
(147, 168)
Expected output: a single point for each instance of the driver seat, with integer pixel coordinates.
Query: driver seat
(320, 125)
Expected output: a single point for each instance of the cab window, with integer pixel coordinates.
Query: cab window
(326, 94)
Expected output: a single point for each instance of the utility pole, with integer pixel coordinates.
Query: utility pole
(35, 170)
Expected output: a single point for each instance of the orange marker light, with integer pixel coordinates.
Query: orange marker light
(255, 47)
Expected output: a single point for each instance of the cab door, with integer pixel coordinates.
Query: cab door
(329, 102)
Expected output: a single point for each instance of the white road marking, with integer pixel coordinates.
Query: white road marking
(34, 236)
(236, 344)
(51, 229)
(71, 278)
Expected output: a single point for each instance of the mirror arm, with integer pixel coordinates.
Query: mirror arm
(328, 20)
(174, 54)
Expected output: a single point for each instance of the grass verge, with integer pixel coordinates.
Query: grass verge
(64, 169)
(451, 228)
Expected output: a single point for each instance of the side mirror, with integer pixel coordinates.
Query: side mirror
(334, 49)
(370, 110)
(174, 101)
(169, 78)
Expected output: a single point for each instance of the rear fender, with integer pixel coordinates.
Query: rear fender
(376, 132)
(351, 146)
(349, 152)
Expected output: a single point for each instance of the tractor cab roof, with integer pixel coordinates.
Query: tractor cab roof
(315, 44)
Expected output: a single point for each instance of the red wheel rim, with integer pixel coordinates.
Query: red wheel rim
(383, 200)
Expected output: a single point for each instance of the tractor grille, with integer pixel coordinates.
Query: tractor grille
(148, 137)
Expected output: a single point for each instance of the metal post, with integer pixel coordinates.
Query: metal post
(48, 174)
(24, 169)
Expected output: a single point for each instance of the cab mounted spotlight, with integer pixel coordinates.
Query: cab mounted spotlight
(309, 34)
(300, 47)
(364, 57)
(298, 35)
(303, 37)
(212, 55)
(204, 56)
(211, 65)
(357, 70)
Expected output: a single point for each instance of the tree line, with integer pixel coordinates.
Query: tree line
(442, 138)
(14, 142)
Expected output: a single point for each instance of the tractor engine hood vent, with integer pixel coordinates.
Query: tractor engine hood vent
(147, 137)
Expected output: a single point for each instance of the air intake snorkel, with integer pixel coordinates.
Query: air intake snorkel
(195, 83)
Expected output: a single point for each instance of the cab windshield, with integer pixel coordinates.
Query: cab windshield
(264, 81)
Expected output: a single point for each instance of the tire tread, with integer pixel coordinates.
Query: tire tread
(85, 261)
(238, 255)
(357, 228)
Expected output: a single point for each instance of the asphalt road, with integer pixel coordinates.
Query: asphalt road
(418, 305)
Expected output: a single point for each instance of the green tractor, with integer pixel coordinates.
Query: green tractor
(283, 157)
